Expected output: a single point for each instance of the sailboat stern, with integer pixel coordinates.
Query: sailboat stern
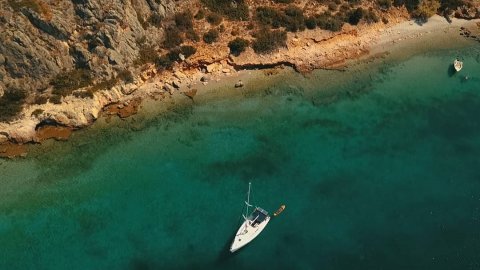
(250, 229)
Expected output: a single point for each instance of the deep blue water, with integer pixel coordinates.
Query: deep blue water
(378, 171)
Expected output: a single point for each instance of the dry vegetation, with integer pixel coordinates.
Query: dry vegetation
(38, 6)
(261, 25)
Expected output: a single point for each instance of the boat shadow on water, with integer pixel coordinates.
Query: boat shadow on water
(225, 258)
(225, 255)
(451, 70)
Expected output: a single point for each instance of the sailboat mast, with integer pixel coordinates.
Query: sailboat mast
(248, 196)
(248, 200)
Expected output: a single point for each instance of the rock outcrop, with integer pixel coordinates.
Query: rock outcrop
(41, 38)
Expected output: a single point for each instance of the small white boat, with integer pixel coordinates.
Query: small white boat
(252, 225)
(458, 65)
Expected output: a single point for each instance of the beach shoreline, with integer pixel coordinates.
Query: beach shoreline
(398, 39)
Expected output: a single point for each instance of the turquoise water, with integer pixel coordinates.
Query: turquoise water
(380, 171)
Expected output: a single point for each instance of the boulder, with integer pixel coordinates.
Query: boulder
(24, 132)
(168, 88)
(128, 89)
(239, 84)
(176, 84)
(3, 138)
(191, 93)
(213, 67)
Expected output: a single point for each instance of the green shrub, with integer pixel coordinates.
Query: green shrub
(14, 94)
(141, 41)
(174, 55)
(164, 62)
(147, 54)
(83, 94)
(200, 14)
(155, 20)
(386, 4)
(332, 6)
(188, 51)
(328, 22)
(214, 19)
(105, 84)
(237, 11)
(40, 100)
(294, 19)
(237, 46)
(293, 11)
(370, 16)
(311, 23)
(142, 21)
(283, 1)
(17, 5)
(344, 8)
(291, 18)
(211, 36)
(37, 6)
(184, 20)
(355, 16)
(126, 76)
(268, 16)
(409, 4)
(11, 103)
(451, 4)
(267, 41)
(426, 9)
(55, 99)
(192, 35)
(37, 112)
(172, 38)
(66, 82)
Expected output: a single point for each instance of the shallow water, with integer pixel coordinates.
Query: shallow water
(378, 171)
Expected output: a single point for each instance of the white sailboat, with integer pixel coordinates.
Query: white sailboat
(252, 225)
(458, 65)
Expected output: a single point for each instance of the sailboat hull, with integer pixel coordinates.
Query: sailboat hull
(458, 65)
(246, 233)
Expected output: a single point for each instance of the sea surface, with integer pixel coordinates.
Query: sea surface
(378, 166)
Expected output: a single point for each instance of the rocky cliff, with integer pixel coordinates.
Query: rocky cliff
(41, 38)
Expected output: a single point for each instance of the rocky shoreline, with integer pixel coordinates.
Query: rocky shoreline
(305, 51)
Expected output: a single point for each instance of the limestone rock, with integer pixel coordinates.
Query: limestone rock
(213, 67)
(25, 132)
(191, 93)
(3, 138)
(239, 84)
(128, 89)
(38, 44)
(176, 84)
